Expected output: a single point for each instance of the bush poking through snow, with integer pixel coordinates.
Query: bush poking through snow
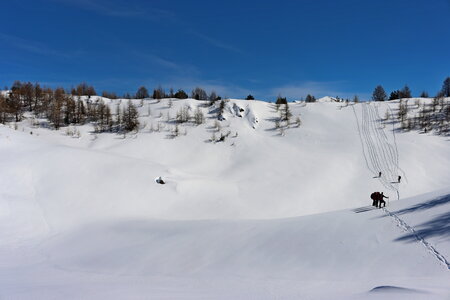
(199, 118)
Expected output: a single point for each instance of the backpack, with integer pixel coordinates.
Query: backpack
(374, 196)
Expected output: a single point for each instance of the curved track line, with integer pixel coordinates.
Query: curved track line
(402, 224)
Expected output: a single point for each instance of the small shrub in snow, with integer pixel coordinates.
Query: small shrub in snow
(277, 124)
(176, 131)
(69, 131)
(199, 118)
(183, 115)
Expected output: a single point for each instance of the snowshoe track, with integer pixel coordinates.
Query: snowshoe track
(403, 225)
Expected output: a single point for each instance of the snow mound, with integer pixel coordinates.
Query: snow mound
(395, 289)
(327, 99)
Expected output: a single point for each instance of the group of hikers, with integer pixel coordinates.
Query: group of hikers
(378, 198)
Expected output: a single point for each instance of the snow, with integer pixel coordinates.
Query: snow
(259, 215)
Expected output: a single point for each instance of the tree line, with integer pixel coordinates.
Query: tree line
(379, 94)
(61, 108)
(64, 107)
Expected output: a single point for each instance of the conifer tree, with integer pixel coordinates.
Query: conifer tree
(445, 91)
(379, 94)
(180, 94)
(142, 93)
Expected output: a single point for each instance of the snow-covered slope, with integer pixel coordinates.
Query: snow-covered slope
(259, 215)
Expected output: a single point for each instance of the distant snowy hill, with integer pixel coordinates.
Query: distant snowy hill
(251, 208)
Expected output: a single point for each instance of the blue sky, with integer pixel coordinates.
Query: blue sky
(234, 47)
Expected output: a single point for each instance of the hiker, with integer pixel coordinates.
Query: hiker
(379, 174)
(399, 178)
(375, 196)
(381, 201)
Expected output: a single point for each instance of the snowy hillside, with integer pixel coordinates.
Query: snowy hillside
(251, 208)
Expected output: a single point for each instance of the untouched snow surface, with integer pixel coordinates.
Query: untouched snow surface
(261, 215)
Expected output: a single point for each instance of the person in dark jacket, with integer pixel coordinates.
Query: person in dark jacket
(381, 200)
(375, 196)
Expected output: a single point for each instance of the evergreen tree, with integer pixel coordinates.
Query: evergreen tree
(281, 100)
(405, 92)
(142, 93)
(424, 94)
(250, 97)
(212, 96)
(445, 91)
(394, 95)
(379, 94)
(309, 98)
(180, 94)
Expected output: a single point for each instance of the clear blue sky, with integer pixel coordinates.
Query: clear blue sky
(263, 47)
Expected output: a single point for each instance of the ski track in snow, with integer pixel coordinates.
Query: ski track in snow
(403, 225)
(384, 157)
